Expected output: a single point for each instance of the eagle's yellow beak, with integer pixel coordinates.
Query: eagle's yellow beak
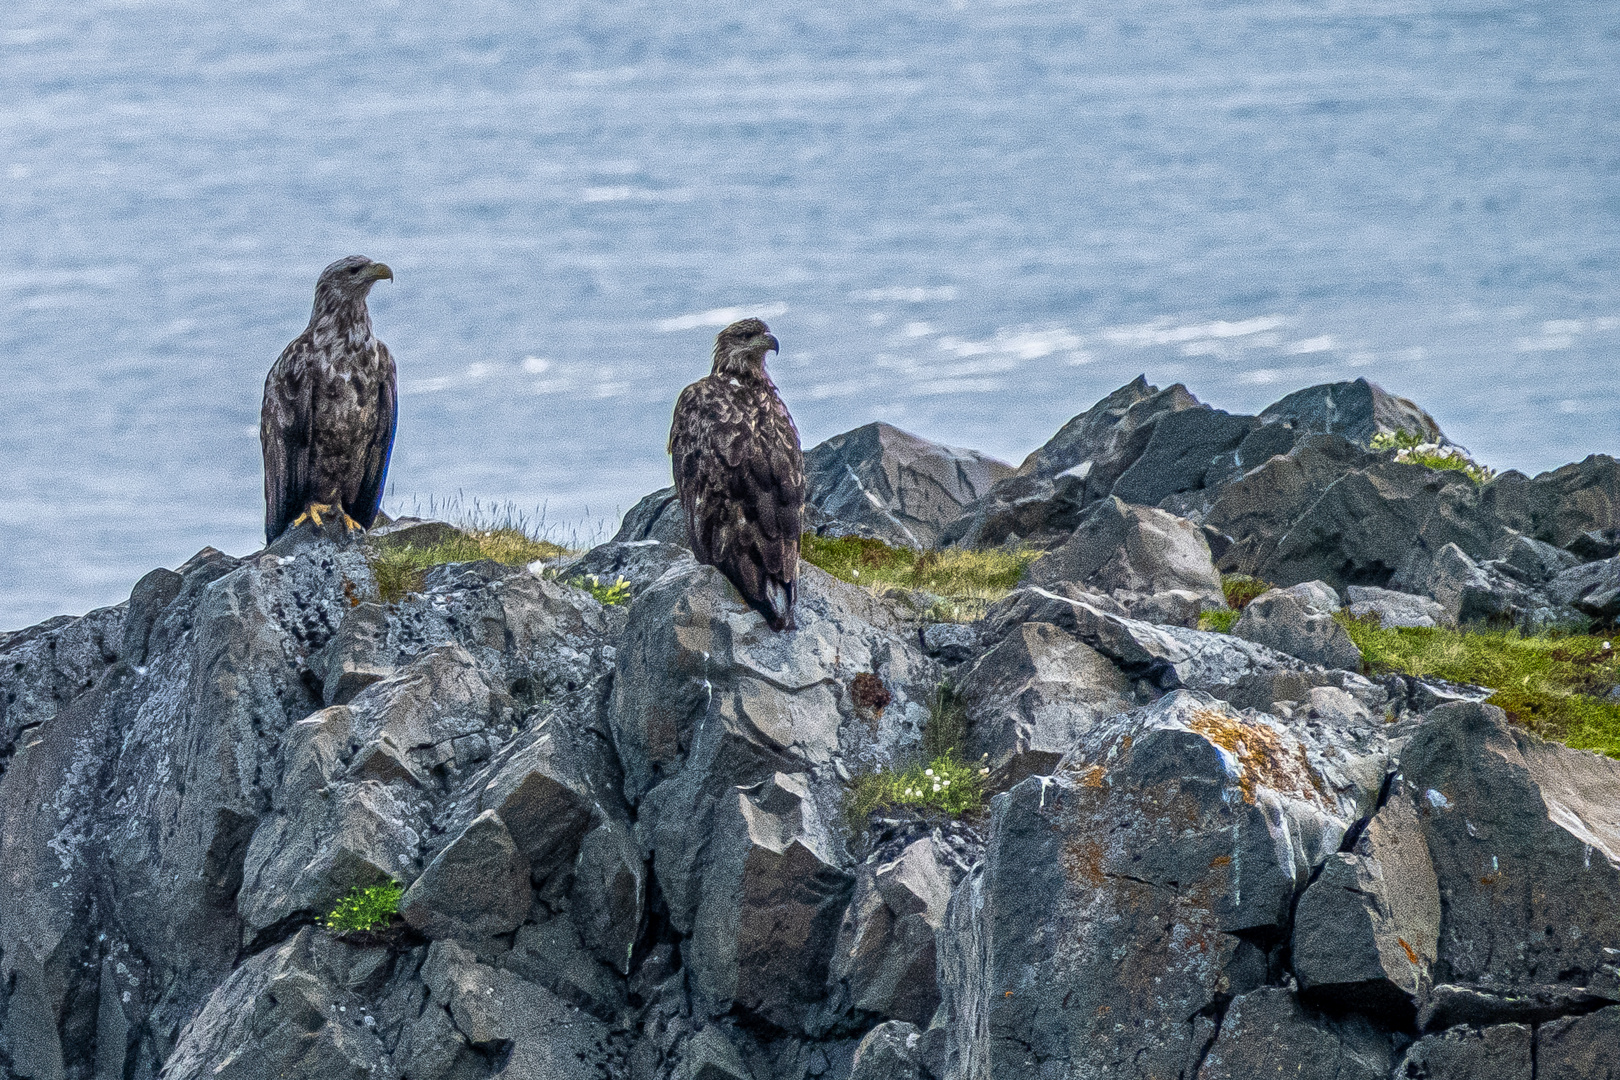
(770, 339)
(379, 272)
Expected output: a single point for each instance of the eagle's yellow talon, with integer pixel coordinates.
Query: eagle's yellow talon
(351, 524)
(312, 513)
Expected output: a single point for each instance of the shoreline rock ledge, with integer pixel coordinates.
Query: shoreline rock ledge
(622, 830)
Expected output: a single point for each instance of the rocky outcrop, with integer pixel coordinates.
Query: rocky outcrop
(623, 833)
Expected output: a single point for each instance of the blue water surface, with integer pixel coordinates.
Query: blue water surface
(968, 219)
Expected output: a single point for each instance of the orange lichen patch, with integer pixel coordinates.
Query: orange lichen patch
(1262, 755)
(1083, 860)
(1125, 744)
(1411, 953)
(350, 593)
(1093, 777)
(1221, 860)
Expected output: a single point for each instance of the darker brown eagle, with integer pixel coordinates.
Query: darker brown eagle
(740, 473)
(330, 407)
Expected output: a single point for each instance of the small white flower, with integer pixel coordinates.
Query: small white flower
(936, 787)
(928, 772)
(947, 783)
(984, 772)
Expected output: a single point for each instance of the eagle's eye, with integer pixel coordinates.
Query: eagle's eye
(355, 269)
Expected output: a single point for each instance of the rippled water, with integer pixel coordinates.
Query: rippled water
(969, 219)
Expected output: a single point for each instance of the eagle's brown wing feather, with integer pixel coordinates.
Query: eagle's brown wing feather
(740, 475)
(286, 434)
(374, 471)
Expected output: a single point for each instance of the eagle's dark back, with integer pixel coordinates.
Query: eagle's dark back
(739, 472)
(330, 406)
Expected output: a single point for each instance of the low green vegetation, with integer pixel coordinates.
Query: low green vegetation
(616, 593)
(1554, 684)
(967, 582)
(1241, 588)
(1414, 450)
(1218, 621)
(940, 782)
(365, 909)
(399, 568)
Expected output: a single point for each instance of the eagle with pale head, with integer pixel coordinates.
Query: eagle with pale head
(739, 472)
(330, 408)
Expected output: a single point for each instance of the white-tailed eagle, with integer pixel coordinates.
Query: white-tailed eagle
(330, 407)
(740, 473)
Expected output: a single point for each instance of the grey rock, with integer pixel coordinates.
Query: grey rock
(1593, 589)
(1330, 511)
(1163, 656)
(1579, 1047)
(1366, 930)
(656, 516)
(1466, 590)
(1034, 693)
(357, 655)
(1266, 1032)
(1395, 608)
(950, 643)
(1356, 410)
(882, 482)
(885, 953)
(477, 887)
(709, 1055)
(894, 1050)
(551, 954)
(609, 893)
(1277, 620)
(412, 532)
(639, 562)
(1136, 550)
(769, 907)
(282, 1013)
(1530, 561)
(1111, 435)
(1185, 449)
(1111, 894)
(1523, 837)
(1481, 1005)
(1501, 1052)
(146, 602)
(1594, 544)
(1316, 597)
(1561, 506)
(540, 1036)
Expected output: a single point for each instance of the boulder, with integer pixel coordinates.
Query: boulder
(894, 1050)
(1331, 511)
(1499, 1052)
(1467, 591)
(1029, 698)
(1526, 847)
(282, 1013)
(1592, 590)
(1563, 506)
(1133, 551)
(477, 887)
(1366, 930)
(639, 562)
(657, 517)
(1579, 1047)
(1395, 608)
(1531, 562)
(884, 959)
(950, 643)
(882, 482)
(769, 905)
(1267, 1033)
(1186, 449)
(1355, 410)
(1117, 898)
(1277, 620)
(1111, 435)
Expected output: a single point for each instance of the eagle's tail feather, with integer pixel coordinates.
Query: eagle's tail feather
(778, 600)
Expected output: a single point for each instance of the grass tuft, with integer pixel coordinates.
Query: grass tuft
(1554, 684)
(365, 909)
(943, 783)
(399, 568)
(1413, 450)
(967, 582)
(1241, 588)
(1218, 621)
(616, 593)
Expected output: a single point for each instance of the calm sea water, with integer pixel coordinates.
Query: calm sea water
(969, 219)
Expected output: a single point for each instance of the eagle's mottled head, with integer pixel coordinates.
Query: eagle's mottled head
(741, 347)
(340, 291)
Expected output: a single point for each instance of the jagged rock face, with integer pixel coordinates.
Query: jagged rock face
(1278, 620)
(1356, 410)
(1562, 506)
(880, 481)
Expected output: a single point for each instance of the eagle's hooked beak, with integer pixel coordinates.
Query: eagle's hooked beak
(379, 272)
(770, 340)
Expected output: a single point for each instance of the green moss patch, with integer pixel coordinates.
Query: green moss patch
(365, 909)
(1553, 684)
(1239, 589)
(944, 784)
(1218, 621)
(398, 568)
(967, 582)
(1413, 450)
